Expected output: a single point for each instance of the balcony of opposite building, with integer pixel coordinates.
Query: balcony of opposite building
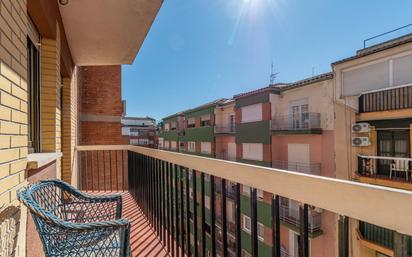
(385, 170)
(297, 123)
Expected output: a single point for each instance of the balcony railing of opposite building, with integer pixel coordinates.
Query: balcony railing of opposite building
(159, 182)
(386, 99)
(300, 121)
(291, 216)
(308, 168)
(222, 129)
(388, 168)
(381, 236)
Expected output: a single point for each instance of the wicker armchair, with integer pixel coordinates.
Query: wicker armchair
(71, 223)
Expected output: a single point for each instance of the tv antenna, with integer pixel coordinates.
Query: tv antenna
(273, 74)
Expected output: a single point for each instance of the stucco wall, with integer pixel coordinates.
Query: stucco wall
(320, 99)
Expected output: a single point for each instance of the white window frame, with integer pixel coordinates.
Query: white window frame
(252, 113)
(246, 191)
(191, 121)
(208, 149)
(191, 146)
(167, 126)
(261, 231)
(247, 220)
(246, 151)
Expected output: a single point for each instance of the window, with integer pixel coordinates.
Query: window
(166, 144)
(251, 113)
(191, 122)
(167, 126)
(252, 151)
(191, 147)
(207, 202)
(205, 120)
(173, 125)
(247, 224)
(246, 191)
(173, 145)
(33, 76)
(299, 114)
(206, 147)
(161, 142)
(261, 231)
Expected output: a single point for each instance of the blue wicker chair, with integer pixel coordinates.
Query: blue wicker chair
(71, 223)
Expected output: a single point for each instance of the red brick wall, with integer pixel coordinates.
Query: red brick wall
(101, 133)
(100, 105)
(101, 90)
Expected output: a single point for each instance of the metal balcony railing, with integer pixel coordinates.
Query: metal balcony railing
(160, 183)
(308, 168)
(386, 99)
(383, 167)
(222, 129)
(292, 216)
(300, 121)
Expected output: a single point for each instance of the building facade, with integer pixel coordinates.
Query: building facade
(140, 131)
(373, 129)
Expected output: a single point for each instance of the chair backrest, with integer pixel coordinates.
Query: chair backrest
(45, 200)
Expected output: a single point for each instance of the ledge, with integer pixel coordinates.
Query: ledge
(297, 132)
(38, 160)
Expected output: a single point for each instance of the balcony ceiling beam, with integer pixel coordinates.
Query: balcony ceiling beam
(107, 32)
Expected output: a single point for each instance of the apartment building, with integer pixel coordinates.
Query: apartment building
(171, 132)
(140, 131)
(302, 131)
(225, 130)
(191, 131)
(58, 89)
(373, 132)
(253, 115)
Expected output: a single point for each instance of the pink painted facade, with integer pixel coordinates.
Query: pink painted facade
(320, 152)
(321, 149)
(222, 146)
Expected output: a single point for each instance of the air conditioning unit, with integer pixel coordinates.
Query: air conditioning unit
(360, 141)
(360, 127)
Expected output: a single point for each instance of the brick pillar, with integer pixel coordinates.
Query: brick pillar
(69, 127)
(101, 105)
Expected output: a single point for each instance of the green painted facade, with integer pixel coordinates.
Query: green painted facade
(171, 135)
(252, 99)
(253, 132)
(202, 134)
(199, 112)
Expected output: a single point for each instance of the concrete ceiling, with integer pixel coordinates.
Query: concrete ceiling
(107, 32)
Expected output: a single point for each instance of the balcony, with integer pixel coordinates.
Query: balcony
(386, 99)
(308, 168)
(292, 216)
(157, 199)
(225, 129)
(390, 171)
(297, 123)
(382, 237)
